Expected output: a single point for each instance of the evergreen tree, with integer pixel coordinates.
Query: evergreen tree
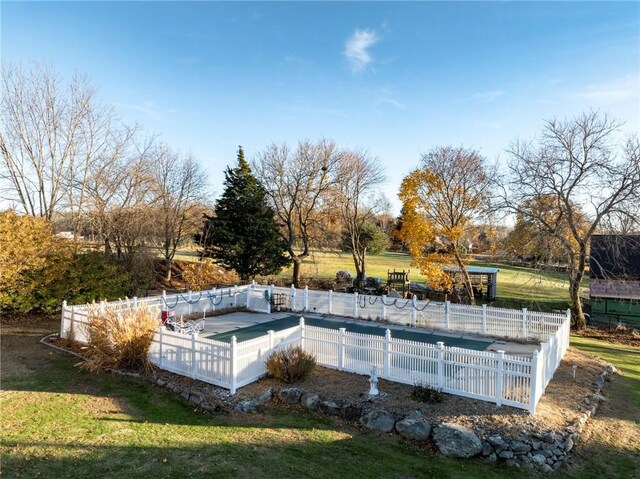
(242, 234)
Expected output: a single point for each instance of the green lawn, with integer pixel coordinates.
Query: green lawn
(610, 444)
(518, 287)
(625, 358)
(60, 422)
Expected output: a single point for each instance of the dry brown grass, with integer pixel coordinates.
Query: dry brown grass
(291, 364)
(120, 336)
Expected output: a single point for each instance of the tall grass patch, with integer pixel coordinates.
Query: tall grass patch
(120, 336)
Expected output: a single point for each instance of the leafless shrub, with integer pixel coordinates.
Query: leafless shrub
(291, 364)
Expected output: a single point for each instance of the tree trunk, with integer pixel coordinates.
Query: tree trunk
(467, 279)
(107, 247)
(576, 305)
(297, 262)
(363, 269)
(359, 270)
(167, 274)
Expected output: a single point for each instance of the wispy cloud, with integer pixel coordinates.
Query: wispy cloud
(148, 108)
(618, 90)
(390, 101)
(356, 49)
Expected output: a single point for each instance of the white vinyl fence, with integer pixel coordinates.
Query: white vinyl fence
(490, 376)
(483, 320)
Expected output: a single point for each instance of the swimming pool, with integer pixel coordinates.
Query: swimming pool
(257, 330)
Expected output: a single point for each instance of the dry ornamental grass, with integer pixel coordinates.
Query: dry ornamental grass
(120, 336)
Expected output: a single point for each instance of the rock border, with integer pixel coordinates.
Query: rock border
(543, 450)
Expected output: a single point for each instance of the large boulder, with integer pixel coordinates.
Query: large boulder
(310, 401)
(414, 426)
(378, 420)
(457, 441)
(250, 405)
(291, 395)
(266, 395)
(329, 407)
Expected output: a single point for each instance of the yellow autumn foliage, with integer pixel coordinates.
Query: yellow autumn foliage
(439, 200)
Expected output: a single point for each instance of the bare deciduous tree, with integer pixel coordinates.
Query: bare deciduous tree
(180, 186)
(358, 199)
(52, 137)
(119, 193)
(579, 164)
(297, 182)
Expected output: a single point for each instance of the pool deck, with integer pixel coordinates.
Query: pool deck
(233, 321)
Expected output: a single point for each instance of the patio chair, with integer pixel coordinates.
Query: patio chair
(185, 327)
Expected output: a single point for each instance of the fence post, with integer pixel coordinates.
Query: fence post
(524, 323)
(499, 376)
(103, 306)
(341, 349)
(484, 319)
(355, 304)
(440, 346)
(446, 314)
(306, 298)
(63, 320)
(161, 347)
(533, 384)
(234, 365)
(330, 301)
(386, 361)
(567, 331)
(213, 302)
(270, 333)
(194, 363)
(164, 301)
(293, 298)
(414, 312)
(235, 296)
(135, 302)
(190, 296)
(302, 333)
(270, 298)
(384, 307)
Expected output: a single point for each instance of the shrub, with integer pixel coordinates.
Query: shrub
(291, 364)
(39, 269)
(198, 276)
(426, 394)
(120, 336)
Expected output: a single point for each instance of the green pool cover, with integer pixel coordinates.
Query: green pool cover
(257, 330)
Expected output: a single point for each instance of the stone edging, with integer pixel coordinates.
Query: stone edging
(542, 450)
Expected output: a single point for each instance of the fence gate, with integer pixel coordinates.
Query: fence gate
(258, 300)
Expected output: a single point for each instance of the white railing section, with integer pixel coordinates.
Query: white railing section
(490, 376)
(484, 320)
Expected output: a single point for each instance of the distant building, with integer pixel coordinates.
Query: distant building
(614, 287)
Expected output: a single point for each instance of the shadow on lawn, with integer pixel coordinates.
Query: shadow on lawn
(284, 457)
(224, 459)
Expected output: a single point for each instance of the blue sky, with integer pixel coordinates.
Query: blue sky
(395, 79)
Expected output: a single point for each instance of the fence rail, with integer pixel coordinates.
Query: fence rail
(490, 376)
(485, 320)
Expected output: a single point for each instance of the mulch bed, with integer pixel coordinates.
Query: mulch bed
(560, 405)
